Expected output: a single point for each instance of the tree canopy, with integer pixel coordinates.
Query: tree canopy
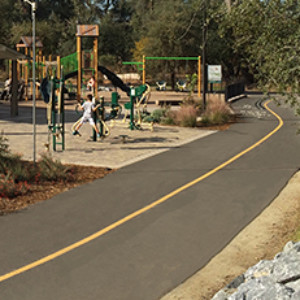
(255, 40)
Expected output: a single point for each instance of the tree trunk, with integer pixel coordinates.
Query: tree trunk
(228, 4)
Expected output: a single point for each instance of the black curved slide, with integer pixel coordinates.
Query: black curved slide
(115, 80)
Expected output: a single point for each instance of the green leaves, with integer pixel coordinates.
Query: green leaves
(267, 35)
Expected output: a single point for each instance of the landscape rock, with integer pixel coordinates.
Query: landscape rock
(269, 279)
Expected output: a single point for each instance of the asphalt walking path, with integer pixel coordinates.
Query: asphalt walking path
(144, 255)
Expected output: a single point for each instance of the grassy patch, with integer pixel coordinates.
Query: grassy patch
(216, 113)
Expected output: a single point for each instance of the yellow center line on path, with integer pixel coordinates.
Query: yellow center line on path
(142, 210)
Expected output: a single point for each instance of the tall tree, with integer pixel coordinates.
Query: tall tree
(267, 35)
(172, 29)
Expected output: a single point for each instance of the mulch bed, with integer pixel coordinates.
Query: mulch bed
(45, 190)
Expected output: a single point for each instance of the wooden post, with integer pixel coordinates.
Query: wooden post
(31, 74)
(26, 75)
(199, 76)
(40, 65)
(44, 67)
(79, 77)
(14, 82)
(96, 65)
(58, 73)
(18, 67)
(37, 74)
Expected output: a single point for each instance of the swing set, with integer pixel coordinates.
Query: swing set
(141, 66)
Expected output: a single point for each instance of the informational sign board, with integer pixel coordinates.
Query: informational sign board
(214, 73)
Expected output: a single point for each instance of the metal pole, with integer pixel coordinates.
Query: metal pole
(33, 5)
(204, 54)
(199, 76)
(144, 70)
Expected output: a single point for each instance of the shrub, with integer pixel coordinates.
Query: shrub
(168, 120)
(10, 189)
(186, 116)
(216, 113)
(51, 169)
(158, 114)
(3, 145)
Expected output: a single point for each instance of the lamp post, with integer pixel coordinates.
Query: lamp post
(204, 34)
(33, 10)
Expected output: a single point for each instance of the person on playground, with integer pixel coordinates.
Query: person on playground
(91, 84)
(88, 107)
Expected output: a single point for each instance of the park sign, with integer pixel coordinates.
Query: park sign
(214, 73)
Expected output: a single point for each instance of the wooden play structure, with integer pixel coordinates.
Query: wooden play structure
(24, 67)
(90, 31)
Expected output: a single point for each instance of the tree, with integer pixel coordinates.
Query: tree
(267, 35)
(172, 29)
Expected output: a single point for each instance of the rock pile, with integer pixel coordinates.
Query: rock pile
(269, 279)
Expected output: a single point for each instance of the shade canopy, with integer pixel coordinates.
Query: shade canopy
(7, 53)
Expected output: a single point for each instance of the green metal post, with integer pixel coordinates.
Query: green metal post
(53, 129)
(171, 58)
(132, 100)
(101, 115)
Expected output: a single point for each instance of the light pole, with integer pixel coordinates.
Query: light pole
(33, 9)
(204, 35)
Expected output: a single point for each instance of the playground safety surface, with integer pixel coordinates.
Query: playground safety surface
(122, 147)
(91, 160)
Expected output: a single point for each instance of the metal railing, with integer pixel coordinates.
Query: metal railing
(234, 90)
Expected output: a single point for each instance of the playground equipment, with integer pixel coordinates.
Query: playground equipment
(24, 67)
(145, 58)
(73, 66)
(100, 114)
(161, 85)
(142, 67)
(181, 85)
(53, 94)
(139, 95)
(87, 31)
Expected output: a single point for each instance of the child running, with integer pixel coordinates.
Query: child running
(88, 107)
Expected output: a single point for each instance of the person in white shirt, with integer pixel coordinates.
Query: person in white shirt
(91, 84)
(88, 108)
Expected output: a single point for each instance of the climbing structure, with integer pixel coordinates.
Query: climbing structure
(90, 31)
(24, 67)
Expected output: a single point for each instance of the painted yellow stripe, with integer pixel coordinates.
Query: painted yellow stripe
(140, 211)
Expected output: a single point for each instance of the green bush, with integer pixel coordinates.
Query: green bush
(15, 174)
(168, 120)
(53, 170)
(10, 189)
(3, 145)
(158, 114)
